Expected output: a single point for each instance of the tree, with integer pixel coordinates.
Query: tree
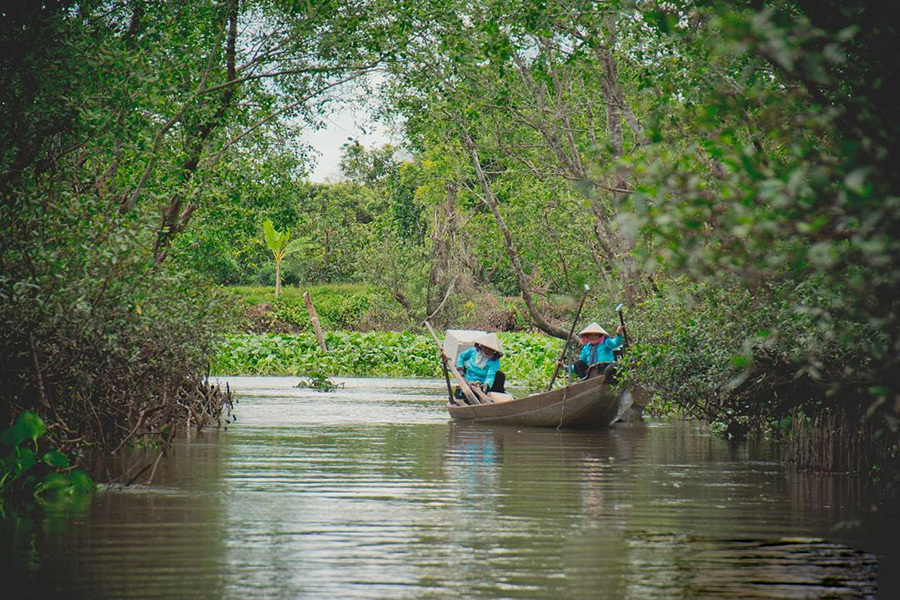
(115, 115)
(531, 91)
(280, 245)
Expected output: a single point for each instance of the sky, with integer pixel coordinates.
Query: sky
(341, 126)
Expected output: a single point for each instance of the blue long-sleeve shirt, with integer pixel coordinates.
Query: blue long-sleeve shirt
(485, 375)
(600, 352)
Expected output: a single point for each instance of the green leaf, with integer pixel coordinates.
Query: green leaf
(272, 236)
(741, 362)
(28, 426)
(81, 481)
(55, 458)
(299, 245)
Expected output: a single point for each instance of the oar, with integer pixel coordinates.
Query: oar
(466, 390)
(562, 356)
(622, 321)
(447, 379)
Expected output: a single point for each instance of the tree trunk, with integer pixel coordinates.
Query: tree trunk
(277, 278)
(616, 107)
(176, 216)
(491, 201)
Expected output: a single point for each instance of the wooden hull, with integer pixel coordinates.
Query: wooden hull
(590, 404)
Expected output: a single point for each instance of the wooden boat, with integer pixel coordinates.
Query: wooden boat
(588, 404)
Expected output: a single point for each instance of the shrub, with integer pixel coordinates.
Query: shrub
(743, 359)
(104, 345)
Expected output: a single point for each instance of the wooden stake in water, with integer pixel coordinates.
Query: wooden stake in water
(315, 321)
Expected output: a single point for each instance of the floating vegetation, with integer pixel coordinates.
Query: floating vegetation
(528, 361)
(319, 382)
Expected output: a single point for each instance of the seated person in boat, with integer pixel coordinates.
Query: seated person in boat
(597, 351)
(480, 365)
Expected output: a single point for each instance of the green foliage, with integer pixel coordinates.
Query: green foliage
(793, 223)
(338, 221)
(528, 362)
(98, 336)
(368, 167)
(122, 123)
(366, 308)
(29, 475)
(276, 241)
(334, 311)
(280, 245)
(742, 157)
(725, 355)
(224, 245)
(344, 306)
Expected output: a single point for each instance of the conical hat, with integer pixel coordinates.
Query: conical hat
(490, 340)
(593, 328)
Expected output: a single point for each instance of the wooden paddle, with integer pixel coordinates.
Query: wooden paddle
(463, 385)
(562, 356)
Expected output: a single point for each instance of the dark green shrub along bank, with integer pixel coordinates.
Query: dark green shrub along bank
(771, 363)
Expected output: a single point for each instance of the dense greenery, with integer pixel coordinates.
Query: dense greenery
(725, 168)
(116, 117)
(365, 307)
(529, 360)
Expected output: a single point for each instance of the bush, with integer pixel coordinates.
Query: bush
(104, 345)
(338, 306)
(745, 360)
(365, 308)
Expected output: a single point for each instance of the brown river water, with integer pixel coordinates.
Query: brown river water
(371, 492)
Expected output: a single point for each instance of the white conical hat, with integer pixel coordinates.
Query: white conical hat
(490, 340)
(593, 328)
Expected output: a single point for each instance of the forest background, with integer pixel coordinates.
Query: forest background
(727, 170)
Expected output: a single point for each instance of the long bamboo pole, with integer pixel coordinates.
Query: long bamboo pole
(562, 355)
(447, 379)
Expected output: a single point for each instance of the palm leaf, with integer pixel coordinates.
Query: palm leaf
(303, 244)
(272, 237)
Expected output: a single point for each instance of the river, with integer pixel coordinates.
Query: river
(371, 492)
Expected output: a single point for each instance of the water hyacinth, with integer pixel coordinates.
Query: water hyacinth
(528, 361)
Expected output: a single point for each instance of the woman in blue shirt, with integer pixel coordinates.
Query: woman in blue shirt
(596, 350)
(481, 365)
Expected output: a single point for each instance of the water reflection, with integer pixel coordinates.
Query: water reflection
(370, 492)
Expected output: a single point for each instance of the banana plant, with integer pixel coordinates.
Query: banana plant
(280, 245)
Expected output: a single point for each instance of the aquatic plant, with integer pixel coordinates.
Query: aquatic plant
(31, 474)
(528, 361)
(319, 382)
